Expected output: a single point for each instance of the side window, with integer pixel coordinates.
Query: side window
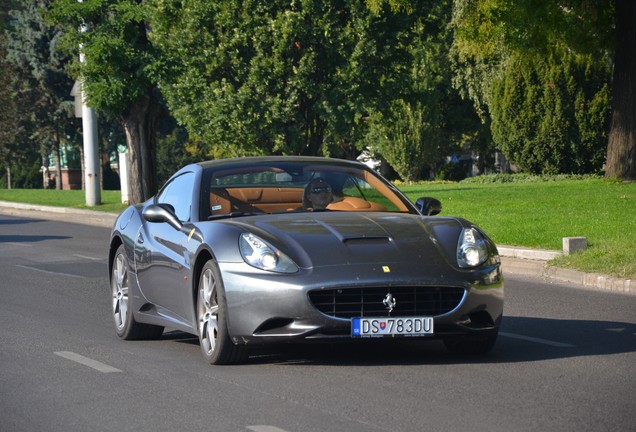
(352, 187)
(178, 193)
(359, 188)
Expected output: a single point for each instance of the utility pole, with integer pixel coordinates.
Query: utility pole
(91, 154)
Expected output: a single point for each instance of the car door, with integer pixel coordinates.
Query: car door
(162, 257)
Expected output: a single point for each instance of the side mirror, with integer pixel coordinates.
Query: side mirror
(162, 213)
(428, 206)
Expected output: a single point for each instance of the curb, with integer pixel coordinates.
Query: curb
(87, 217)
(528, 254)
(542, 269)
(516, 260)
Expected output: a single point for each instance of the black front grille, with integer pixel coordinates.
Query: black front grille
(368, 301)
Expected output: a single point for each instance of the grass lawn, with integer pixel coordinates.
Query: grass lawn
(111, 200)
(540, 214)
(532, 214)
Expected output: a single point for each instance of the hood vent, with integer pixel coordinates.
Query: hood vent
(366, 240)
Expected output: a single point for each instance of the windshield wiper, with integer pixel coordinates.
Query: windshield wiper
(233, 215)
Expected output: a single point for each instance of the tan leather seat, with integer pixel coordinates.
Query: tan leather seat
(219, 202)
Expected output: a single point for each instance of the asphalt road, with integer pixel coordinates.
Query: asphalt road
(564, 362)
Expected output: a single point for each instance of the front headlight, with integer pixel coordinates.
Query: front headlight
(472, 249)
(257, 253)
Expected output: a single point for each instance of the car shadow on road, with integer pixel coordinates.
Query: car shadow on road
(13, 238)
(30, 238)
(521, 339)
(20, 221)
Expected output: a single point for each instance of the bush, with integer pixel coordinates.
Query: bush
(524, 178)
(451, 171)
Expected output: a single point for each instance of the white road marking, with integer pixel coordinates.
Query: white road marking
(264, 428)
(537, 340)
(50, 272)
(616, 330)
(101, 367)
(88, 257)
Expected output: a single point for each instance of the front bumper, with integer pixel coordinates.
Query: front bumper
(264, 307)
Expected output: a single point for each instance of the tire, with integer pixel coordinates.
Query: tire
(216, 345)
(122, 306)
(471, 344)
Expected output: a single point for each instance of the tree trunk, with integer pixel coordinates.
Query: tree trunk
(621, 148)
(8, 175)
(140, 123)
(314, 136)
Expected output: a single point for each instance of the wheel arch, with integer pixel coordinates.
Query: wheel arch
(203, 256)
(115, 242)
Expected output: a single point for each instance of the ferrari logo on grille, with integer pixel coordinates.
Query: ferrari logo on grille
(386, 269)
(390, 302)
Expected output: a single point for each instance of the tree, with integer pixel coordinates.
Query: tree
(491, 33)
(405, 125)
(115, 74)
(260, 77)
(551, 115)
(10, 118)
(621, 149)
(420, 119)
(174, 150)
(40, 82)
(406, 139)
(308, 77)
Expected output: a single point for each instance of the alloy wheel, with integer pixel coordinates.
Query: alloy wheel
(208, 311)
(119, 286)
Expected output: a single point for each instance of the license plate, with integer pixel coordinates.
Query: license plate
(402, 326)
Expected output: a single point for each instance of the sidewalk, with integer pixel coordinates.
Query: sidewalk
(515, 260)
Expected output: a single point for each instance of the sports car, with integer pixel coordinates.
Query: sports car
(262, 250)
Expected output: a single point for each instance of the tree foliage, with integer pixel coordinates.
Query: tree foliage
(318, 77)
(308, 77)
(551, 115)
(39, 83)
(259, 77)
(117, 57)
(10, 125)
(111, 34)
(407, 129)
(540, 70)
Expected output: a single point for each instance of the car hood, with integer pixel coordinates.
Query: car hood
(345, 238)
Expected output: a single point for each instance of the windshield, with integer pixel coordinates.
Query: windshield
(292, 186)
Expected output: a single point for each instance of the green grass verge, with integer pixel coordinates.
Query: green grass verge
(534, 214)
(111, 200)
(539, 214)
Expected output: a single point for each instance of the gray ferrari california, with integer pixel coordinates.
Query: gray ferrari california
(260, 250)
